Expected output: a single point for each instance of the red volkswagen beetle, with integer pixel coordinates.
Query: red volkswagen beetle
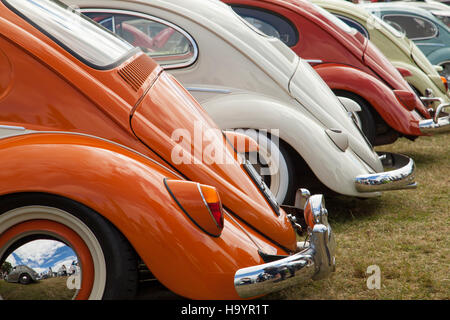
(348, 62)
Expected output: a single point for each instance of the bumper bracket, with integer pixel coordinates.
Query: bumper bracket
(399, 174)
(314, 260)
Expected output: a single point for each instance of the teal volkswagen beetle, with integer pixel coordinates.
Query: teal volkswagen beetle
(401, 52)
(429, 33)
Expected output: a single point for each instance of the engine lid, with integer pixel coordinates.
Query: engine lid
(173, 125)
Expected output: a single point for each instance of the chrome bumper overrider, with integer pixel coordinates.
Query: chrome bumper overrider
(315, 260)
(398, 174)
(437, 124)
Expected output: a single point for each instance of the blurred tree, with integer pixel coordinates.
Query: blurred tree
(6, 267)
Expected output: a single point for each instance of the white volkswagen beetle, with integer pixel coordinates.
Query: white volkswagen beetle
(247, 80)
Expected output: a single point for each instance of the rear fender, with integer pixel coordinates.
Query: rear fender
(420, 80)
(127, 189)
(334, 168)
(375, 92)
(439, 56)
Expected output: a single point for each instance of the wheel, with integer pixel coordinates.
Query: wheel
(446, 72)
(24, 278)
(108, 264)
(363, 119)
(273, 162)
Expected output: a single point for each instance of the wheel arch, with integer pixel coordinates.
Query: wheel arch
(439, 56)
(419, 79)
(101, 174)
(317, 150)
(378, 95)
(127, 189)
(122, 187)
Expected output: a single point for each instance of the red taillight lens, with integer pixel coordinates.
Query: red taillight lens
(212, 199)
(445, 82)
(217, 213)
(200, 203)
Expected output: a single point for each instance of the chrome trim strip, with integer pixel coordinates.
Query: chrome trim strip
(207, 206)
(438, 111)
(441, 64)
(312, 61)
(437, 124)
(30, 132)
(430, 44)
(400, 176)
(210, 90)
(315, 261)
(432, 99)
(12, 128)
(430, 126)
(343, 18)
(156, 19)
(243, 230)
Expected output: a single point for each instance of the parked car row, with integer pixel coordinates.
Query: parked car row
(426, 26)
(181, 136)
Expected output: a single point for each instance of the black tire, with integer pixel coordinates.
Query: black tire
(294, 181)
(120, 258)
(446, 72)
(285, 179)
(25, 278)
(366, 117)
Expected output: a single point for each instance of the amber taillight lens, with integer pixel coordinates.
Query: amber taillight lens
(212, 199)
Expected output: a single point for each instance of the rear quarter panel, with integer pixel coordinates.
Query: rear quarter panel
(127, 189)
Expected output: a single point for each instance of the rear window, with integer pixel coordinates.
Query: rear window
(335, 20)
(84, 39)
(414, 27)
(353, 24)
(269, 24)
(444, 16)
(397, 32)
(166, 43)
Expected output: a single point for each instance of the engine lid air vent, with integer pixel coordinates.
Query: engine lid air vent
(137, 71)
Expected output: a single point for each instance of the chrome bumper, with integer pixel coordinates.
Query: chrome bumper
(315, 260)
(398, 174)
(437, 124)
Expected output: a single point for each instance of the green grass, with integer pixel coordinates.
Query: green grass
(47, 289)
(406, 233)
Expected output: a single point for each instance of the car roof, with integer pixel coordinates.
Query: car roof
(404, 7)
(344, 6)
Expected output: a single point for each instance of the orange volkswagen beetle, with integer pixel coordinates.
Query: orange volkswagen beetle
(100, 148)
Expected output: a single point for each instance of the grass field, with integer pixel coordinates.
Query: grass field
(405, 233)
(48, 289)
